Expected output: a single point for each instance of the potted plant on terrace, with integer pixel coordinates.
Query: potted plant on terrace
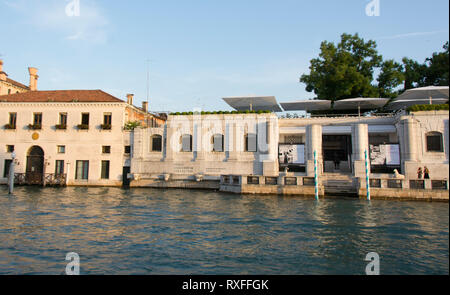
(35, 126)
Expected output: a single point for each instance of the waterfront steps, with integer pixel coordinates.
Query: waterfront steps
(339, 184)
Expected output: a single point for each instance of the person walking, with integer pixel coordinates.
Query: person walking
(426, 172)
(419, 173)
(336, 161)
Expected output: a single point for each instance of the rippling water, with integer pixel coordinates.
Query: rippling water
(146, 231)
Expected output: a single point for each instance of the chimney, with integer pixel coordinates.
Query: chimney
(145, 106)
(3, 75)
(33, 78)
(130, 99)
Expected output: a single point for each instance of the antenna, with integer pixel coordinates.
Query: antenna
(148, 79)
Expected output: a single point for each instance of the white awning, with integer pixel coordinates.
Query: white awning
(253, 103)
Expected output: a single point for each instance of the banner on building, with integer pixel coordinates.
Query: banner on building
(292, 154)
(385, 154)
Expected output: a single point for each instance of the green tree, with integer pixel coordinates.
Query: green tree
(344, 70)
(414, 73)
(391, 76)
(437, 70)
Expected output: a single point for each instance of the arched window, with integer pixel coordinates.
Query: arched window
(251, 142)
(217, 142)
(434, 142)
(186, 143)
(156, 143)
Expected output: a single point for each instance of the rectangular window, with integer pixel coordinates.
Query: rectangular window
(85, 119)
(105, 169)
(9, 148)
(61, 149)
(156, 143)
(6, 168)
(59, 167)
(271, 180)
(434, 142)
(290, 180)
(186, 143)
(439, 184)
(251, 143)
(127, 149)
(107, 118)
(82, 170)
(63, 119)
(37, 119)
(218, 143)
(106, 149)
(309, 181)
(417, 184)
(252, 179)
(12, 120)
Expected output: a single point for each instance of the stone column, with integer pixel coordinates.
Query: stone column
(409, 153)
(233, 129)
(170, 144)
(360, 144)
(313, 143)
(270, 164)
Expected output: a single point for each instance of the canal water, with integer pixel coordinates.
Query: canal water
(149, 231)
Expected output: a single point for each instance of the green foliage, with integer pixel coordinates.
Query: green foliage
(131, 125)
(219, 113)
(347, 69)
(437, 71)
(390, 77)
(428, 107)
(344, 70)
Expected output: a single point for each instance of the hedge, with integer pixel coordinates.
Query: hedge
(220, 113)
(428, 107)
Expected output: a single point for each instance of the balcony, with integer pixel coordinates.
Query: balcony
(48, 179)
(34, 126)
(10, 127)
(61, 127)
(106, 126)
(83, 127)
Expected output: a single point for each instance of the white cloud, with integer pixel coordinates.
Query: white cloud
(413, 34)
(50, 15)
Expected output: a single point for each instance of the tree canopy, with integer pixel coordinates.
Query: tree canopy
(347, 70)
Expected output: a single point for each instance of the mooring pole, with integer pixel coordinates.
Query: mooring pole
(11, 174)
(367, 175)
(316, 178)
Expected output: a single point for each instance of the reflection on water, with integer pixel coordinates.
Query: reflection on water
(146, 231)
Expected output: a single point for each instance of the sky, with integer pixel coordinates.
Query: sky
(199, 51)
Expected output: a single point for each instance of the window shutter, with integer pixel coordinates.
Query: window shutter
(218, 143)
(186, 143)
(251, 142)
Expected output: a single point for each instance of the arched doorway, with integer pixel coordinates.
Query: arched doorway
(35, 165)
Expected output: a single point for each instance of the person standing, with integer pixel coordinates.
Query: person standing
(419, 173)
(426, 172)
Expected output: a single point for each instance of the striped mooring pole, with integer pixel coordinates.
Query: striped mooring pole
(316, 178)
(367, 175)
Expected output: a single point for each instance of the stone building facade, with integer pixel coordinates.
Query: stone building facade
(9, 86)
(76, 133)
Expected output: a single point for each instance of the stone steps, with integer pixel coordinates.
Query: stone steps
(338, 184)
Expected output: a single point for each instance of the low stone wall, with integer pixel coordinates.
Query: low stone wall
(305, 191)
(177, 183)
(284, 184)
(405, 194)
(405, 189)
